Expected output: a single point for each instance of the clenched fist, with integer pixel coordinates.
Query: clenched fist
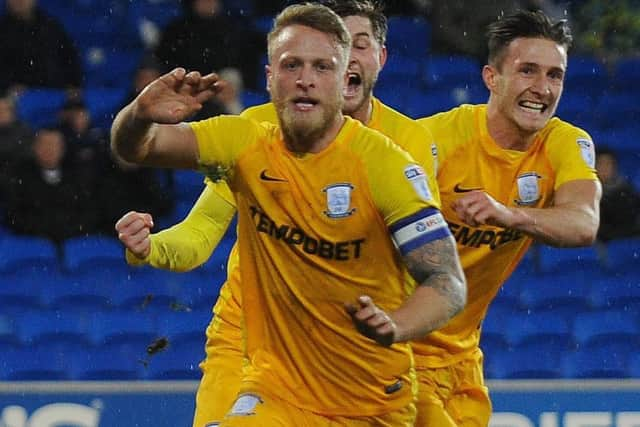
(133, 231)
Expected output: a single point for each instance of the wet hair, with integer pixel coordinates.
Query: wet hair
(524, 24)
(314, 16)
(370, 9)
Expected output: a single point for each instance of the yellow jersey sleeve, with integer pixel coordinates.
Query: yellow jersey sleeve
(399, 189)
(191, 242)
(571, 153)
(417, 140)
(259, 113)
(221, 140)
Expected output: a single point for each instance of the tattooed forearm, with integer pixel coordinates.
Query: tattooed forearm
(436, 265)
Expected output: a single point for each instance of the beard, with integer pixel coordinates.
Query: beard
(302, 129)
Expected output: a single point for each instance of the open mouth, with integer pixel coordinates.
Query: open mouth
(304, 103)
(534, 107)
(354, 82)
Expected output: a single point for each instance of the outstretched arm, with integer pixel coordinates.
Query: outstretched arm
(441, 294)
(149, 130)
(572, 220)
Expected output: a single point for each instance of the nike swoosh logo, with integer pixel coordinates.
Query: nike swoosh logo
(459, 189)
(265, 177)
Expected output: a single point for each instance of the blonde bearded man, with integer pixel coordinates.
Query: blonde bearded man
(191, 242)
(317, 244)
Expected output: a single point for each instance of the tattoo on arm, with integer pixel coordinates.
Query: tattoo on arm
(436, 265)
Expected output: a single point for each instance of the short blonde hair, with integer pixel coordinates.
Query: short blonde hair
(316, 16)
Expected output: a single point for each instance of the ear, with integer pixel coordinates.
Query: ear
(490, 76)
(269, 75)
(382, 57)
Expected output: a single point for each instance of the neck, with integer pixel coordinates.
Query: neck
(505, 133)
(314, 142)
(363, 114)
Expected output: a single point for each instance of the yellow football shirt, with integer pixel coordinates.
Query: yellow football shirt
(314, 232)
(404, 131)
(468, 158)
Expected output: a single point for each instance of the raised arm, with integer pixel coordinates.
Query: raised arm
(572, 220)
(149, 131)
(183, 246)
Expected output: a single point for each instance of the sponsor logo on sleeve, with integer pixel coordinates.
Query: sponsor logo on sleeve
(416, 176)
(588, 152)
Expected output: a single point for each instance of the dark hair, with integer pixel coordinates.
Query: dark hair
(525, 24)
(312, 15)
(371, 9)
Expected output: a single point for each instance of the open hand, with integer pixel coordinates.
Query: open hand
(175, 96)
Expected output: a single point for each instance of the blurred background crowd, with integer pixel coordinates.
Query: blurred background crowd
(69, 65)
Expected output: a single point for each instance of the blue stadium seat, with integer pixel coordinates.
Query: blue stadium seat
(39, 107)
(83, 253)
(26, 252)
(392, 97)
(48, 326)
(111, 328)
(451, 71)
(618, 290)
(493, 338)
(529, 362)
(617, 110)
(181, 326)
(188, 184)
(556, 292)
(78, 295)
(578, 108)
(401, 71)
(425, 103)
(158, 12)
(147, 289)
(607, 361)
(104, 103)
(33, 364)
(621, 138)
(585, 72)
(557, 260)
(634, 365)
(109, 69)
(409, 35)
(105, 364)
(8, 332)
(599, 327)
(625, 75)
(537, 328)
(19, 293)
(623, 255)
(177, 362)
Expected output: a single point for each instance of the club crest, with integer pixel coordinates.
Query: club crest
(338, 200)
(528, 189)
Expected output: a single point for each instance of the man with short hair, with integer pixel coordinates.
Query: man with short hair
(316, 232)
(509, 173)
